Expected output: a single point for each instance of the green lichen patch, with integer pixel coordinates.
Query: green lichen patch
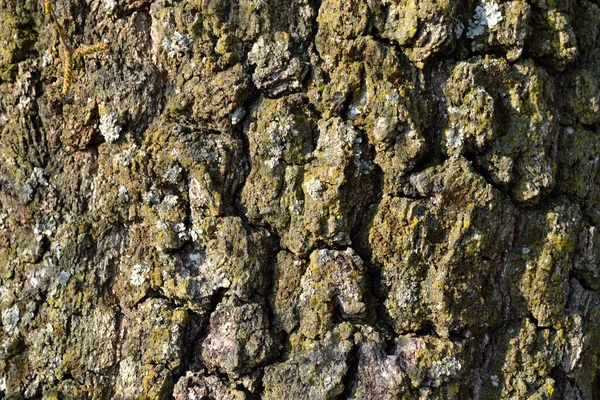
(274, 199)
(288, 271)
(18, 34)
(422, 28)
(524, 369)
(212, 104)
(333, 281)
(553, 39)
(504, 114)
(578, 168)
(301, 187)
(315, 369)
(154, 346)
(541, 260)
(438, 256)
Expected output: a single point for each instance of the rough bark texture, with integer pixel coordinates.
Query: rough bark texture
(301, 199)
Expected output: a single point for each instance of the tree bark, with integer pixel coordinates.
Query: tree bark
(308, 199)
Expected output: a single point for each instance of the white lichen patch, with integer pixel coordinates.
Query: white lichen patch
(139, 274)
(313, 187)
(5, 295)
(280, 132)
(449, 366)
(495, 381)
(173, 174)
(296, 207)
(123, 193)
(63, 278)
(109, 128)
(38, 176)
(237, 115)
(177, 45)
(487, 15)
(24, 101)
(170, 201)
(408, 297)
(10, 318)
(151, 197)
(382, 127)
(181, 231)
(47, 59)
(324, 256)
(455, 140)
(35, 282)
(196, 259)
(110, 5)
(353, 111)
(127, 378)
(363, 165)
(492, 14)
(35, 180)
(38, 277)
(125, 158)
(198, 194)
(272, 162)
(161, 225)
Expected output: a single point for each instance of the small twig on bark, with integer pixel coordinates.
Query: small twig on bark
(68, 52)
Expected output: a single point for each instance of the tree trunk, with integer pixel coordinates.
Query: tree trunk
(300, 199)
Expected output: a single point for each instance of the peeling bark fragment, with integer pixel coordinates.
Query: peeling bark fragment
(238, 338)
(276, 71)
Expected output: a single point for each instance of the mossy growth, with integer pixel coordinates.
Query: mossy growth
(17, 36)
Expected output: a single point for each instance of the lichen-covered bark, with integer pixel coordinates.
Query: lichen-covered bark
(308, 199)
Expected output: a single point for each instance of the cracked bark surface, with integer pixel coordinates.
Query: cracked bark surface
(309, 199)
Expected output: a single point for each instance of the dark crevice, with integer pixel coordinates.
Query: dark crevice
(245, 164)
(113, 371)
(483, 359)
(194, 335)
(248, 393)
(596, 386)
(581, 280)
(152, 293)
(133, 7)
(481, 171)
(566, 387)
(427, 329)
(215, 300)
(459, 336)
(502, 278)
(352, 363)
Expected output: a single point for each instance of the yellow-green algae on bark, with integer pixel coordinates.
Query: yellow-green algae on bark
(274, 199)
